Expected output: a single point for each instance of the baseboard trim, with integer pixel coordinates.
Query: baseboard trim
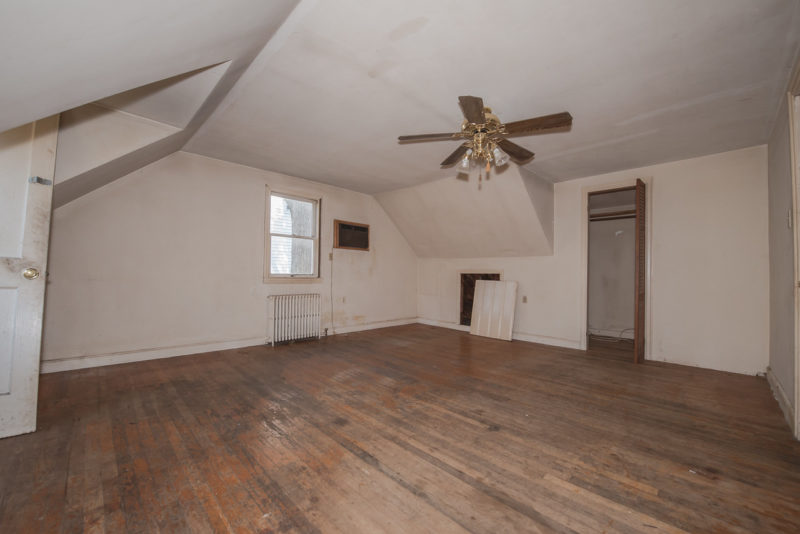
(781, 396)
(114, 358)
(546, 340)
(372, 326)
(519, 336)
(443, 324)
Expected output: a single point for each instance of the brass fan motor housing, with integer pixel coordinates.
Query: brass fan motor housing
(479, 136)
(483, 133)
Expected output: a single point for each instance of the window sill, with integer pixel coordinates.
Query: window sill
(292, 280)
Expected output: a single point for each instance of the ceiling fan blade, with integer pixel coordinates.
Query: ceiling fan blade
(472, 106)
(547, 122)
(455, 156)
(429, 137)
(517, 153)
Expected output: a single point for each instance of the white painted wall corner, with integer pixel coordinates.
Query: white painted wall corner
(781, 397)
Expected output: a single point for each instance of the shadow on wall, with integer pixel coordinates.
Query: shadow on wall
(510, 216)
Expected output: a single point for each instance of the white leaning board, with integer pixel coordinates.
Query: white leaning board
(493, 309)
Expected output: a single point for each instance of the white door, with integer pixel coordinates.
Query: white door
(27, 161)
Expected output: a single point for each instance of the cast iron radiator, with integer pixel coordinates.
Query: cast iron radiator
(294, 317)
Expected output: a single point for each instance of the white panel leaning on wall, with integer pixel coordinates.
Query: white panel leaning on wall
(493, 309)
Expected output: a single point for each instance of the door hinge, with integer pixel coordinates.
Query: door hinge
(40, 180)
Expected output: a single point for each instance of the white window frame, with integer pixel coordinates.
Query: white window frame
(315, 237)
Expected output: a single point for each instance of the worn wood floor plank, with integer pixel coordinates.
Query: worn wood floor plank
(410, 429)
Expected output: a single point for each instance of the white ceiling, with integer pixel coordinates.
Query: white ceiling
(646, 82)
(333, 85)
(56, 56)
(172, 101)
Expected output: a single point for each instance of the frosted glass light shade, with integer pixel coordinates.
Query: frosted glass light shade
(466, 161)
(500, 157)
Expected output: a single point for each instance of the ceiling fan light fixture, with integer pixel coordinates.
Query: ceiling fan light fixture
(500, 157)
(466, 162)
(484, 135)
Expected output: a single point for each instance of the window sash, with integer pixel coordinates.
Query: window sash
(293, 236)
(314, 237)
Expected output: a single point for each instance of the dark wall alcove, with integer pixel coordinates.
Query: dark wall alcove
(468, 293)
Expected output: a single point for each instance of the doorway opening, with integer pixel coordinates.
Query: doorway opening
(615, 286)
(468, 293)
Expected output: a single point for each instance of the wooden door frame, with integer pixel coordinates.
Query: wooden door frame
(794, 158)
(629, 183)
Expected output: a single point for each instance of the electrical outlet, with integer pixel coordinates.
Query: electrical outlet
(330, 256)
(524, 299)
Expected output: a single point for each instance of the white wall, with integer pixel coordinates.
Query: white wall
(781, 258)
(15, 161)
(708, 301)
(170, 260)
(612, 248)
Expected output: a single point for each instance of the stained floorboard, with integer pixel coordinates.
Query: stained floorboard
(406, 429)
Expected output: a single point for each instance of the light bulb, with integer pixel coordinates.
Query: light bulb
(466, 161)
(500, 157)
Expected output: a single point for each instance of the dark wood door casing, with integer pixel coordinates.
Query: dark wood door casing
(641, 265)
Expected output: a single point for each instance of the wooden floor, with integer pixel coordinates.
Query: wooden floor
(409, 429)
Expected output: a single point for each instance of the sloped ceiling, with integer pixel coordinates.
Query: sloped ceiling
(183, 55)
(321, 90)
(173, 101)
(102, 141)
(646, 81)
(92, 135)
(60, 55)
(508, 215)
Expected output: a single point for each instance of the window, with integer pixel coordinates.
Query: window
(293, 236)
(350, 235)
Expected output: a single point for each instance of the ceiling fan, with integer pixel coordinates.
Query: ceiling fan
(485, 135)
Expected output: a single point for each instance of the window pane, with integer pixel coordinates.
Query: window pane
(291, 255)
(290, 216)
